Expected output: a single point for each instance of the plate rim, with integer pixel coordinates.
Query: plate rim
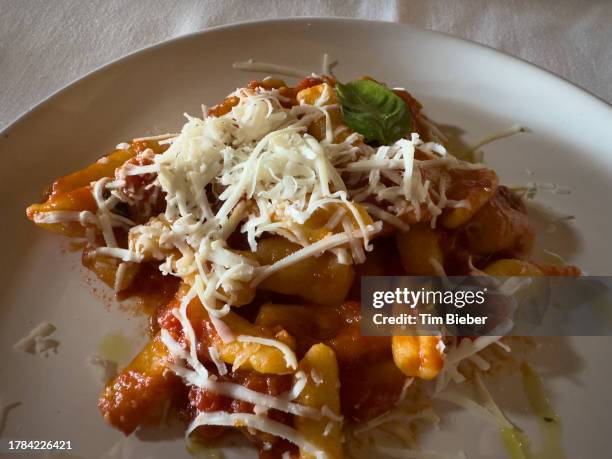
(304, 19)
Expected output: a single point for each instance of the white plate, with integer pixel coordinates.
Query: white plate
(460, 84)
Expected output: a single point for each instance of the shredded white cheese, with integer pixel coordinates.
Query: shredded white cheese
(5, 410)
(102, 370)
(261, 423)
(467, 349)
(316, 377)
(252, 66)
(512, 130)
(37, 341)
(288, 353)
(300, 381)
(327, 412)
(219, 363)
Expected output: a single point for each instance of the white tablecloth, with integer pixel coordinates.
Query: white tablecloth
(47, 44)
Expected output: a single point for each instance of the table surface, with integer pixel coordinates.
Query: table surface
(46, 45)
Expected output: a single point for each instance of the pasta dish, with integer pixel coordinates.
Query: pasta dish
(249, 231)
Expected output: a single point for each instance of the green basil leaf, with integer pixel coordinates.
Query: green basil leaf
(374, 111)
